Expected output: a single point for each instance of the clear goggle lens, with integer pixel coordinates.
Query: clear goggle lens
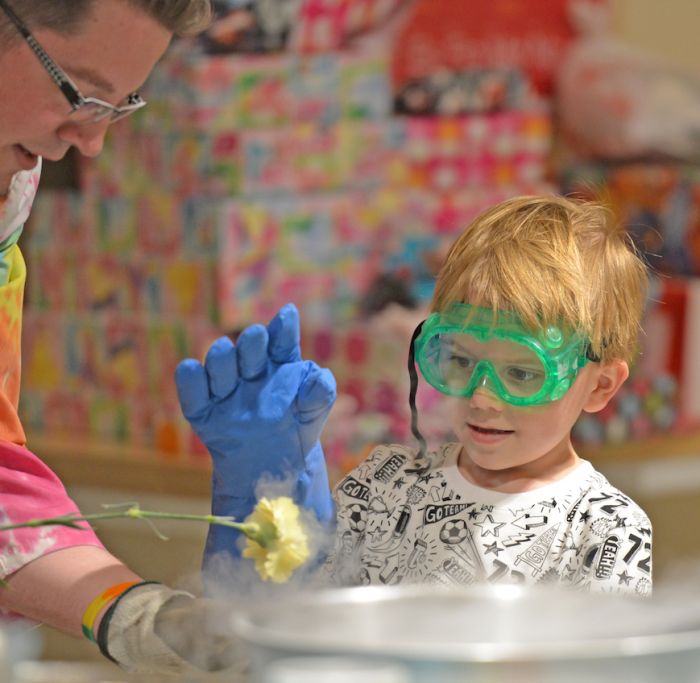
(459, 362)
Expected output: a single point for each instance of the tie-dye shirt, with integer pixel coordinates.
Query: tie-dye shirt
(28, 488)
(14, 210)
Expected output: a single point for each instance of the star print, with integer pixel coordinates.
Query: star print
(427, 477)
(493, 548)
(377, 534)
(585, 516)
(624, 577)
(473, 514)
(490, 520)
(399, 483)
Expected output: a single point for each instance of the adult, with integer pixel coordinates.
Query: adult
(69, 69)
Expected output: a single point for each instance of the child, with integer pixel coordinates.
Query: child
(535, 318)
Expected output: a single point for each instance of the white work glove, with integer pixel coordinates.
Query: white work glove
(155, 629)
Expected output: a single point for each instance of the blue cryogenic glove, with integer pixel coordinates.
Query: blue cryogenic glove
(259, 409)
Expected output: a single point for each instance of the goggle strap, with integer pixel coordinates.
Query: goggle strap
(413, 375)
(590, 355)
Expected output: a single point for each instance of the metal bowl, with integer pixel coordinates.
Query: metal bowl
(510, 632)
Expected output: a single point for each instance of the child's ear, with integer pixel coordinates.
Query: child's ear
(609, 377)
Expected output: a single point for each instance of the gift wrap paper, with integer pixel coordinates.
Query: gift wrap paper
(249, 182)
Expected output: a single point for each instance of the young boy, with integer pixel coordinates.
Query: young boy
(535, 319)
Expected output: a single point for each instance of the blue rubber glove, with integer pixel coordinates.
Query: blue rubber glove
(259, 409)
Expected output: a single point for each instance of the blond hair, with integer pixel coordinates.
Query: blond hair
(551, 260)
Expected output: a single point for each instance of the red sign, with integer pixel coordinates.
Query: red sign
(460, 34)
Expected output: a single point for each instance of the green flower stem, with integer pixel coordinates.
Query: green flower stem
(262, 537)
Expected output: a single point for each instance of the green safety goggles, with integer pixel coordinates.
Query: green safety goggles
(467, 347)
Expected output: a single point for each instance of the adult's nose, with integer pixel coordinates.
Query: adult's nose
(87, 138)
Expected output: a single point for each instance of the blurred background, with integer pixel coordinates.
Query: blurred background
(326, 152)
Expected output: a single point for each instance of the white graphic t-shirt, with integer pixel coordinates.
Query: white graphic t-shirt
(403, 520)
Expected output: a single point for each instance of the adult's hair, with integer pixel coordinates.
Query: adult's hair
(553, 261)
(182, 17)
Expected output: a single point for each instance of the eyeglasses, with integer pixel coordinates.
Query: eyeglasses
(84, 110)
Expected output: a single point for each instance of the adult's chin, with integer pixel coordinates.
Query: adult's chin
(8, 167)
(26, 160)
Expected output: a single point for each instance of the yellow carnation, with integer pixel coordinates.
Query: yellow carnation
(280, 546)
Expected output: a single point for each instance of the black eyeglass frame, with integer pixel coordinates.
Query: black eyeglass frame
(101, 109)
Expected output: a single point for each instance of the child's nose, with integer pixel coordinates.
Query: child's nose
(484, 398)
